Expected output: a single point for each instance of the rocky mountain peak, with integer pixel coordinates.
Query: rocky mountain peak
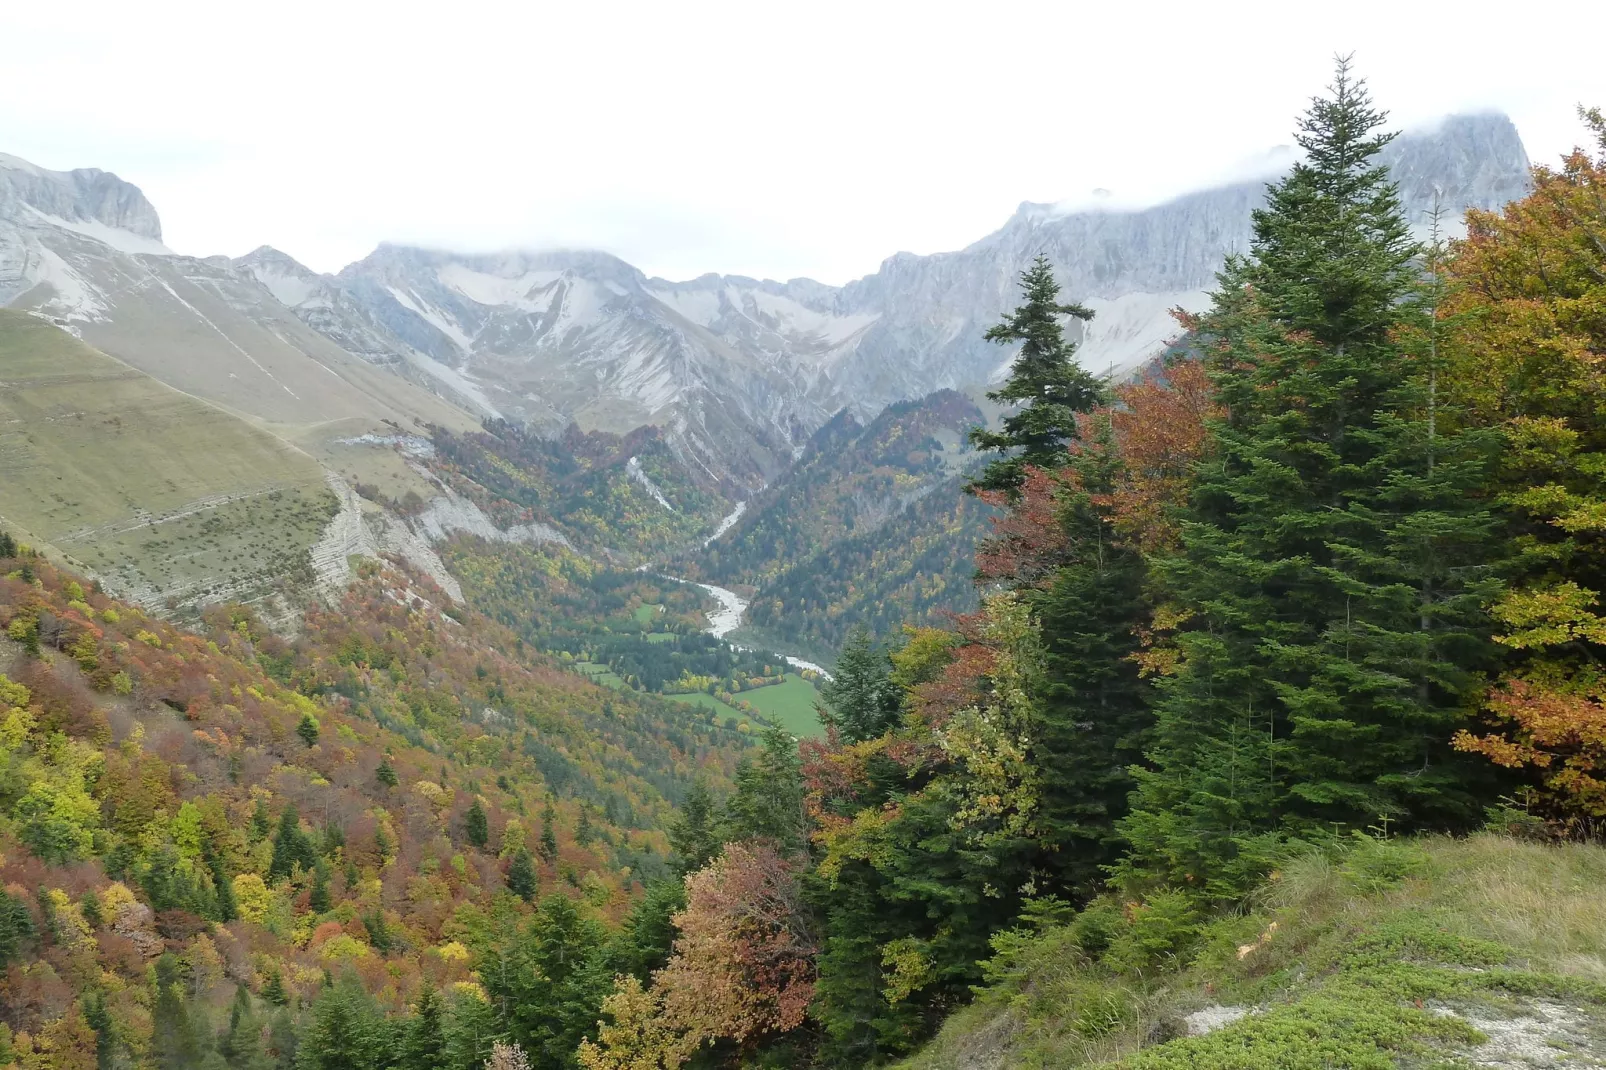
(86, 195)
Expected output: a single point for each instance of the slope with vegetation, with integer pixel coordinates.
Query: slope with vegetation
(162, 495)
(200, 830)
(1259, 631)
(866, 527)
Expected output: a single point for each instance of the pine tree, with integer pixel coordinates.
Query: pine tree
(476, 829)
(291, 847)
(1333, 548)
(1093, 710)
(549, 835)
(1045, 379)
(768, 801)
(521, 879)
(318, 898)
(860, 701)
(227, 908)
(691, 834)
(241, 1044)
(175, 1040)
(8, 545)
(386, 773)
(273, 988)
(307, 729)
(424, 1043)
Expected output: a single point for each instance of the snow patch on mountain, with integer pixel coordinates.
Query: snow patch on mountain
(125, 241)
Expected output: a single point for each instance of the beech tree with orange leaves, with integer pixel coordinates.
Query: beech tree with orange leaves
(1530, 305)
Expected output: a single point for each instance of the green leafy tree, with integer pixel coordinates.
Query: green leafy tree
(1335, 547)
(1045, 383)
(860, 701)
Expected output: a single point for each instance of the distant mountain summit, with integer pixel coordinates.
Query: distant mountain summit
(738, 372)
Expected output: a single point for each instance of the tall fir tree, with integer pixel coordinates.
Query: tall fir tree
(1333, 551)
(291, 847)
(692, 834)
(1093, 708)
(860, 701)
(521, 878)
(424, 1042)
(476, 827)
(768, 801)
(1046, 384)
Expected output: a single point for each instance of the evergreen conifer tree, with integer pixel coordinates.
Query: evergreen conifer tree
(307, 729)
(549, 834)
(476, 829)
(860, 701)
(768, 801)
(291, 847)
(1045, 381)
(424, 1043)
(318, 897)
(386, 773)
(692, 834)
(521, 879)
(1334, 547)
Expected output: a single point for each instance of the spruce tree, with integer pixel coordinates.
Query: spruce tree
(386, 773)
(521, 879)
(424, 1043)
(1093, 709)
(1045, 382)
(860, 701)
(307, 729)
(768, 801)
(691, 834)
(549, 835)
(476, 829)
(318, 898)
(291, 847)
(1333, 548)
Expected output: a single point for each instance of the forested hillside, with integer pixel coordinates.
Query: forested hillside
(1269, 740)
(867, 527)
(1255, 631)
(200, 829)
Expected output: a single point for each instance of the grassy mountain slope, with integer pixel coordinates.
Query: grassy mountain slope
(1486, 952)
(159, 493)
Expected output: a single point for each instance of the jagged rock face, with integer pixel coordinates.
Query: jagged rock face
(737, 371)
(1128, 266)
(83, 196)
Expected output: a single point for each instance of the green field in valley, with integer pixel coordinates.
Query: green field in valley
(790, 705)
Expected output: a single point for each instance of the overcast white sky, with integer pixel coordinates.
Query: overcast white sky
(758, 138)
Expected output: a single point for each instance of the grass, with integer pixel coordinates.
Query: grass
(709, 702)
(789, 704)
(157, 493)
(1400, 953)
(600, 674)
(647, 614)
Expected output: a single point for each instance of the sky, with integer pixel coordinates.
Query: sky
(772, 139)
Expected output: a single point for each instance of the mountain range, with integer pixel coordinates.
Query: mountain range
(354, 372)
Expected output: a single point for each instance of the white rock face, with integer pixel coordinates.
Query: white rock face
(737, 371)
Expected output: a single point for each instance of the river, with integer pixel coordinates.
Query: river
(728, 617)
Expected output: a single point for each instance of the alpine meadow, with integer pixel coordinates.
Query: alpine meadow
(1146, 638)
